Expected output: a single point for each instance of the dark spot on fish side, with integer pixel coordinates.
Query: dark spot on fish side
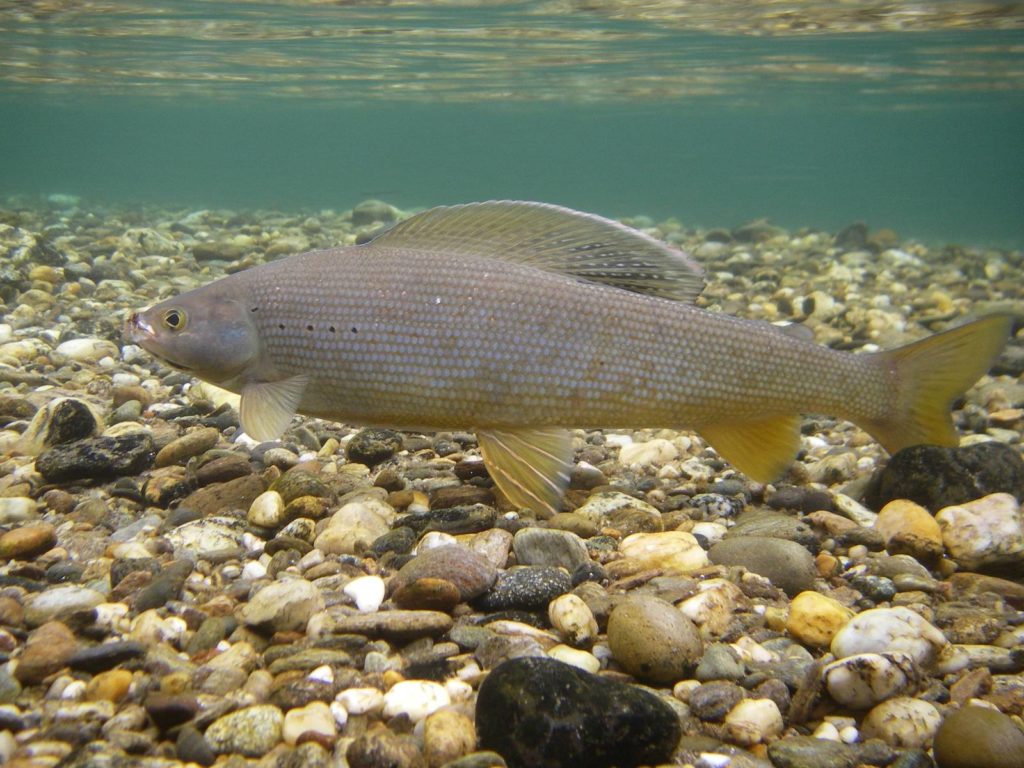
(332, 329)
(255, 309)
(309, 327)
(281, 326)
(354, 329)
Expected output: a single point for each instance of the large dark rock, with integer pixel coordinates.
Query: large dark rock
(937, 477)
(97, 458)
(372, 446)
(538, 711)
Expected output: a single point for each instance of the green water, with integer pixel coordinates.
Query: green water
(302, 106)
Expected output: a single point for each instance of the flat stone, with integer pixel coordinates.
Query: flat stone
(230, 495)
(543, 546)
(537, 711)
(97, 458)
(428, 594)
(282, 606)
(104, 656)
(59, 602)
(47, 650)
(785, 563)
(251, 732)
(185, 447)
(775, 525)
(400, 626)
(27, 541)
(469, 571)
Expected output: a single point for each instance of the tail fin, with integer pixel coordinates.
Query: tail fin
(929, 375)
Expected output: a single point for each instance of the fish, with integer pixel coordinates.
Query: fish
(522, 321)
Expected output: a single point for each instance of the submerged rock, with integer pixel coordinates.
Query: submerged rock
(937, 477)
(97, 458)
(537, 711)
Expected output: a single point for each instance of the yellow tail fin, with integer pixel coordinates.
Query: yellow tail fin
(930, 375)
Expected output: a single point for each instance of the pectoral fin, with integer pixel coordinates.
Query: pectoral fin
(268, 406)
(530, 466)
(759, 449)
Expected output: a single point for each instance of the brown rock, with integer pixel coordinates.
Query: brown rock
(27, 541)
(970, 686)
(461, 496)
(223, 468)
(234, 494)
(909, 529)
(470, 572)
(12, 614)
(400, 626)
(185, 447)
(428, 594)
(380, 748)
(46, 651)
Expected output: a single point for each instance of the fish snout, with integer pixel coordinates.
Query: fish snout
(136, 329)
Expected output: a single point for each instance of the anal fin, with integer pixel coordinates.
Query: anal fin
(760, 449)
(530, 466)
(268, 406)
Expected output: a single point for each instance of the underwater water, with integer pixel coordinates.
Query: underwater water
(809, 114)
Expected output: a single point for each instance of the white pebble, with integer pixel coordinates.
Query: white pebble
(986, 531)
(339, 713)
(865, 679)
(826, 731)
(752, 721)
(367, 592)
(322, 674)
(435, 539)
(903, 722)
(254, 569)
(657, 452)
(458, 690)
(267, 510)
(88, 350)
(415, 698)
(360, 701)
(573, 619)
(316, 717)
(577, 658)
(73, 691)
(849, 735)
(893, 630)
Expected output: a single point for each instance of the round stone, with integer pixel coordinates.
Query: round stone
(676, 551)
(815, 618)
(573, 620)
(753, 721)
(978, 736)
(447, 736)
(267, 510)
(544, 546)
(415, 698)
(472, 573)
(27, 541)
(889, 630)
(785, 563)
(185, 447)
(428, 594)
(865, 679)
(652, 640)
(282, 606)
(903, 722)
(987, 531)
(908, 528)
(313, 720)
(109, 686)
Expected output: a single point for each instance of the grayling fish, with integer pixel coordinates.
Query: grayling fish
(522, 320)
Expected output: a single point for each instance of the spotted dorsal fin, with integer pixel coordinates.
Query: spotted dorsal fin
(581, 245)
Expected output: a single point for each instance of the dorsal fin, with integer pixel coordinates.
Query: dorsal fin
(556, 239)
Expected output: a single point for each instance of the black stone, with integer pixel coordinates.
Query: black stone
(541, 712)
(192, 747)
(400, 541)
(937, 477)
(100, 658)
(372, 446)
(97, 458)
(589, 571)
(454, 520)
(71, 420)
(210, 632)
(62, 573)
(878, 589)
(528, 587)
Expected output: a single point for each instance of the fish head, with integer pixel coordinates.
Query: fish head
(206, 333)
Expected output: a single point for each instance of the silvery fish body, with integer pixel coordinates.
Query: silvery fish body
(520, 320)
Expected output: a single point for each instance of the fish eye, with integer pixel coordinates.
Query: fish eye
(175, 319)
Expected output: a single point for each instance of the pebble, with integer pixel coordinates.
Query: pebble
(27, 541)
(538, 711)
(470, 572)
(977, 736)
(415, 698)
(573, 620)
(814, 619)
(313, 720)
(986, 532)
(447, 735)
(395, 625)
(59, 602)
(96, 458)
(527, 587)
(656, 453)
(903, 722)
(676, 551)
(896, 630)
(577, 658)
(252, 731)
(87, 350)
(282, 606)
(753, 721)
(267, 510)
(367, 592)
(863, 680)
(47, 650)
(652, 640)
(908, 528)
(543, 546)
(109, 686)
(786, 564)
(614, 509)
(185, 447)
(373, 446)
(17, 509)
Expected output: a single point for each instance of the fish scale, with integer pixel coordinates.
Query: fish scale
(520, 320)
(532, 349)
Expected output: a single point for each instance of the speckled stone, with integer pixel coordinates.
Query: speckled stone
(537, 711)
(252, 731)
(529, 587)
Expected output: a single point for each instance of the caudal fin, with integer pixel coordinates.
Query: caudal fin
(930, 375)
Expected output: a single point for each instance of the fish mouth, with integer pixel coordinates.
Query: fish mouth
(136, 329)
